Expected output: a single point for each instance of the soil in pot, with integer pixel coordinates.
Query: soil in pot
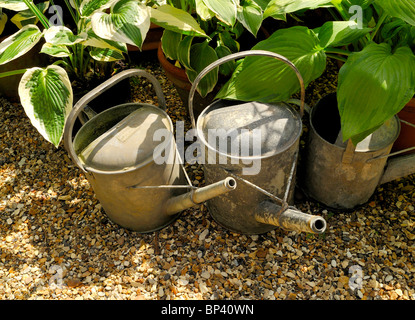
(406, 137)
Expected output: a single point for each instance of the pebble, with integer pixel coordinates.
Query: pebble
(54, 230)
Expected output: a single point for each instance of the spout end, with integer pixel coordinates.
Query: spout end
(318, 225)
(230, 183)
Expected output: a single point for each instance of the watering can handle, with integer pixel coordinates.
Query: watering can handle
(237, 56)
(81, 104)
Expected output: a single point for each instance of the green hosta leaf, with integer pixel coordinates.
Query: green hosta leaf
(3, 20)
(403, 9)
(183, 52)
(176, 20)
(228, 67)
(128, 22)
(26, 17)
(278, 8)
(250, 15)
(225, 10)
(226, 39)
(374, 85)
(266, 79)
(55, 51)
(46, 96)
(202, 55)
(203, 11)
(15, 5)
(19, 43)
(364, 4)
(169, 42)
(340, 33)
(88, 7)
(94, 41)
(62, 36)
(106, 55)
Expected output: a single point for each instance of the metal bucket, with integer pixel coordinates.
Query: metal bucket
(115, 149)
(343, 176)
(261, 202)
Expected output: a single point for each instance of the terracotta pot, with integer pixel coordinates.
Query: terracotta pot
(406, 138)
(151, 41)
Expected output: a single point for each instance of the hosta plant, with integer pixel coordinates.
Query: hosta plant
(375, 39)
(103, 28)
(213, 28)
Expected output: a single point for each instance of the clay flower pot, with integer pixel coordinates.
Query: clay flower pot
(406, 137)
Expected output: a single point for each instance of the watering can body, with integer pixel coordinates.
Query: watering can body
(266, 177)
(341, 175)
(116, 150)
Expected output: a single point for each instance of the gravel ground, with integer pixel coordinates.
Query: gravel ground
(57, 243)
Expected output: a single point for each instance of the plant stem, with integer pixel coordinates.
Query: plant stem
(37, 13)
(338, 51)
(12, 73)
(333, 56)
(378, 25)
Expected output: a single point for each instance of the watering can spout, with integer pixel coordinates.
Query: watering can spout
(398, 167)
(289, 219)
(198, 196)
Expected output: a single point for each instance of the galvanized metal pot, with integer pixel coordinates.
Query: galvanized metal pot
(115, 149)
(262, 200)
(343, 176)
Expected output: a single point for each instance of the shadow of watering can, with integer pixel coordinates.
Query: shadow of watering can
(261, 201)
(341, 175)
(115, 150)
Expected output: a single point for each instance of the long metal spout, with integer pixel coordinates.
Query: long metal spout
(398, 167)
(289, 219)
(198, 196)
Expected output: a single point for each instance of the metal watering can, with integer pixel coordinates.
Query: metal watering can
(115, 150)
(341, 175)
(261, 201)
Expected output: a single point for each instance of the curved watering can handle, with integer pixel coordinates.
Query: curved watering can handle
(241, 55)
(81, 104)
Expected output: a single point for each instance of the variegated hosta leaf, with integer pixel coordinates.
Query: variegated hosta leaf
(202, 55)
(250, 15)
(225, 10)
(278, 8)
(105, 54)
(88, 7)
(26, 17)
(19, 43)
(62, 36)
(176, 20)
(3, 20)
(203, 11)
(46, 96)
(169, 42)
(15, 5)
(128, 22)
(94, 41)
(55, 51)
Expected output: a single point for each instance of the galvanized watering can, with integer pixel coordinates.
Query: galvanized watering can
(343, 176)
(261, 201)
(115, 149)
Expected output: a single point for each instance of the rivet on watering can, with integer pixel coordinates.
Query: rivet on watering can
(115, 149)
(261, 202)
